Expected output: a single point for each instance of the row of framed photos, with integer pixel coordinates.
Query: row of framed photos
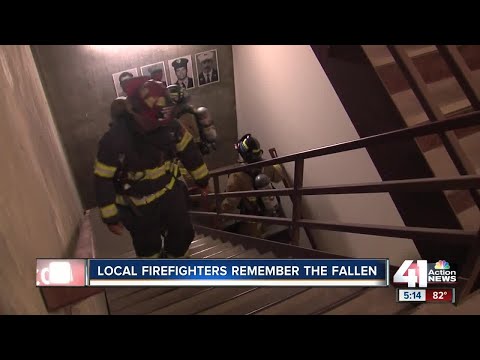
(180, 71)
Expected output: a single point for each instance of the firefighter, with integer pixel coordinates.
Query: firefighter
(198, 120)
(250, 152)
(199, 123)
(136, 176)
(118, 109)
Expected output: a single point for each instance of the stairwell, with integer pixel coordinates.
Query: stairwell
(449, 97)
(447, 94)
(211, 243)
(237, 300)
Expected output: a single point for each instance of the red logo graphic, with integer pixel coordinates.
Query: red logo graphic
(61, 272)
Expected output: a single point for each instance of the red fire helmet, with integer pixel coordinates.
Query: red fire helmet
(149, 98)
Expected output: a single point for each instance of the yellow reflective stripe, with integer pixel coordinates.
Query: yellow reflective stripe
(244, 142)
(200, 172)
(183, 171)
(151, 174)
(256, 151)
(148, 174)
(175, 170)
(155, 173)
(147, 199)
(104, 170)
(187, 137)
(109, 211)
(170, 184)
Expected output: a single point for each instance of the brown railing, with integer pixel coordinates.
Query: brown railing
(297, 191)
(438, 124)
(420, 89)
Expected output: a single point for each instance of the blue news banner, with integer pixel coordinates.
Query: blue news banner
(239, 272)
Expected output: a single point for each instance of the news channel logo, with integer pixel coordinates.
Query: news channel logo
(60, 272)
(423, 273)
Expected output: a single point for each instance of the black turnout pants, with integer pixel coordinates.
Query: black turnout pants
(169, 212)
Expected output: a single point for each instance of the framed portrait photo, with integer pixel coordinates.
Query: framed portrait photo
(121, 76)
(181, 72)
(208, 71)
(156, 71)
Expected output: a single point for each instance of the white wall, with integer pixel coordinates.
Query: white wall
(39, 205)
(285, 99)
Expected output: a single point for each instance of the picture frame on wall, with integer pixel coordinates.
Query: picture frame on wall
(181, 72)
(156, 71)
(208, 71)
(120, 76)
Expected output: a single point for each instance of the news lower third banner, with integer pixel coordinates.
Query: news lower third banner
(213, 272)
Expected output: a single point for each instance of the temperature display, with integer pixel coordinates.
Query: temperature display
(440, 295)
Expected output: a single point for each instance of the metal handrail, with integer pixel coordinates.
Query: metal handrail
(439, 125)
(461, 237)
(409, 185)
(453, 123)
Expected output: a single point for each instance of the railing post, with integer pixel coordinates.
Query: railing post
(297, 199)
(218, 202)
(287, 183)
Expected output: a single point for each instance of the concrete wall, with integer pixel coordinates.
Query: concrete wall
(293, 107)
(40, 207)
(79, 86)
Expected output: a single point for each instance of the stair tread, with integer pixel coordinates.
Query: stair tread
(144, 294)
(228, 253)
(197, 241)
(118, 292)
(374, 301)
(310, 302)
(203, 242)
(202, 301)
(115, 293)
(219, 252)
(253, 300)
(446, 93)
(149, 305)
(150, 293)
(213, 249)
(379, 55)
(150, 299)
(248, 254)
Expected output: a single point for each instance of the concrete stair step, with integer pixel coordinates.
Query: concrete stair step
(210, 298)
(253, 300)
(311, 301)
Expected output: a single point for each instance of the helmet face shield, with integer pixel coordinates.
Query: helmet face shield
(255, 155)
(249, 149)
(176, 93)
(149, 101)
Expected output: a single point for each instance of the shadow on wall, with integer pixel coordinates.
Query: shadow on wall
(321, 210)
(80, 87)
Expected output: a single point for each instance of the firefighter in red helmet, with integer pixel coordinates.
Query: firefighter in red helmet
(136, 177)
